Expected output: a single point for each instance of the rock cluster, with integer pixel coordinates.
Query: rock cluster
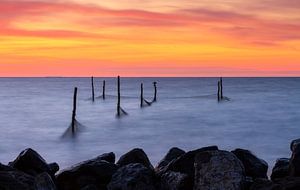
(206, 168)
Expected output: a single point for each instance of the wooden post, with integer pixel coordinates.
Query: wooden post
(103, 90)
(221, 86)
(93, 90)
(119, 98)
(155, 91)
(218, 90)
(74, 110)
(142, 94)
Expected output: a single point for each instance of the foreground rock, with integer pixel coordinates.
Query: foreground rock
(30, 162)
(185, 164)
(218, 170)
(95, 172)
(174, 181)
(294, 167)
(15, 180)
(133, 177)
(265, 184)
(281, 169)
(254, 167)
(170, 156)
(136, 155)
(44, 182)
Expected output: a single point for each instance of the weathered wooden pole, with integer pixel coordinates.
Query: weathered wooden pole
(221, 86)
(74, 110)
(142, 94)
(103, 90)
(119, 98)
(218, 90)
(93, 90)
(155, 91)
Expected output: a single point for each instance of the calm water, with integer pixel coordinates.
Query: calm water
(263, 116)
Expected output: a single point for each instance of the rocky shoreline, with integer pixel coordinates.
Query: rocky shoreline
(206, 168)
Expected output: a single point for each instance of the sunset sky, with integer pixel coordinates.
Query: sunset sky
(150, 37)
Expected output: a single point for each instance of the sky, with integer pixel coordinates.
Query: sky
(149, 38)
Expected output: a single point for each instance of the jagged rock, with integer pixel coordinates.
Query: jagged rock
(289, 183)
(281, 168)
(109, 157)
(30, 162)
(185, 164)
(218, 170)
(264, 184)
(294, 166)
(53, 167)
(172, 154)
(174, 181)
(95, 172)
(294, 144)
(43, 181)
(254, 167)
(135, 156)
(15, 180)
(6, 168)
(89, 187)
(133, 177)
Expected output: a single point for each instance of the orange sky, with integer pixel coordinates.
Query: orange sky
(149, 38)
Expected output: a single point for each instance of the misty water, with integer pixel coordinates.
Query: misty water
(263, 115)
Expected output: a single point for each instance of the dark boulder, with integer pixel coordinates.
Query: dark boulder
(136, 155)
(43, 181)
(133, 177)
(294, 144)
(95, 172)
(30, 162)
(185, 164)
(15, 180)
(294, 166)
(218, 170)
(172, 154)
(254, 167)
(109, 157)
(289, 183)
(174, 181)
(53, 167)
(281, 168)
(6, 168)
(265, 184)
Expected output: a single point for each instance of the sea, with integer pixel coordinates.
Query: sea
(259, 114)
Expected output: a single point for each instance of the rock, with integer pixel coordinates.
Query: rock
(254, 167)
(30, 162)
(294, 144)
(44, 182)
(174, 181)
(53, 167)
(90, 187)
(185, 164)
(171, 155)
(11, 180)
(264, 184)
(294, 167)
(289, 183)
(133, 177)
(91, 172)
(109, 157)
(281, 168)
(218, 170)
(6, 168)
(135, 156)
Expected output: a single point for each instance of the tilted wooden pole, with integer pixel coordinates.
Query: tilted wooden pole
(218, 90)
(221, 86)
(74, 110)
(155, 91)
